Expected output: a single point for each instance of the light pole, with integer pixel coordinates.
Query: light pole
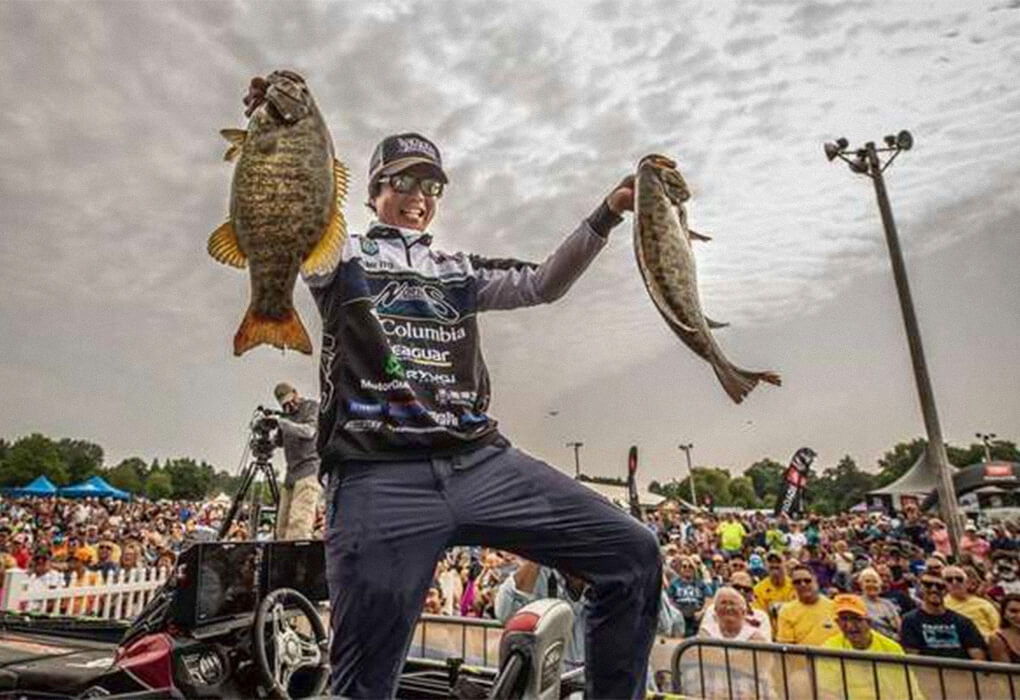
(687, 447)
(577, 457)
(986, 438)
(866, 162)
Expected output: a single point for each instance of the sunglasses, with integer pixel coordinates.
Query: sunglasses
(955, 579)
(404, 183)
(933, 585)
(852, 619)
(802, 581)
(744, 589)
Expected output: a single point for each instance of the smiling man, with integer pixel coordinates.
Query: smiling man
(416, 464)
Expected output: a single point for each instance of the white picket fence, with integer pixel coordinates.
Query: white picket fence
(119, 596)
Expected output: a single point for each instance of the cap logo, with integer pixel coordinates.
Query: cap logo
(409, 144)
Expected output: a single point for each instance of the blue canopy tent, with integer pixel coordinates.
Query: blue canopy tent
(94, 487)
(40, 486)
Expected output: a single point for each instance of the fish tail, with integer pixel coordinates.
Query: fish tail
(283, 333)
(738, 383)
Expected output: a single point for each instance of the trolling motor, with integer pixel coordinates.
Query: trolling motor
(262, 442)
(531, 651)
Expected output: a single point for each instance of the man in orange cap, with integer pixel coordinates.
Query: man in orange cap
(855, 634)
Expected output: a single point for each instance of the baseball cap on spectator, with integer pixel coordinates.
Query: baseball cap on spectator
(970, 527)
(774, 556)
(848, 603)
(399, 152)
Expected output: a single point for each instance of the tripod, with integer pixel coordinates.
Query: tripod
(262, 447)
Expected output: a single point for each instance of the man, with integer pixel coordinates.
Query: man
(300, 491)
(105, 564)
(417, 465)
(731, 535)
(810, 618)
(775, 589)
(860, 679)
(932, 630)
(982, 613)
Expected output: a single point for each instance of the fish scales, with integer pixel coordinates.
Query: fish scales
(285, 207)
(662, 246)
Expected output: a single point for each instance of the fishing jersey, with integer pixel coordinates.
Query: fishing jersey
(401, 373)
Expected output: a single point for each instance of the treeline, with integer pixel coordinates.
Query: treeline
(68, 461)
(830, 490)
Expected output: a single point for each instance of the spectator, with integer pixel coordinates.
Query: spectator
(883, 616)
(688, 593)
(932, 630)
(729, 619)
(755, 619)
(974, 544)
(433, 601)
(1005, 579)
(105, 563)
(939, 534)
(808, 619)
(21, 553)
(731, 535)
(771, 592)
(860, 677)
(1004, 643)
(982, 613)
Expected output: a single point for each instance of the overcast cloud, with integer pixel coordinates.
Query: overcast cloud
(116, 327)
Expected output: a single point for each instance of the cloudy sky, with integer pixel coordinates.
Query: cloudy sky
(116, 327)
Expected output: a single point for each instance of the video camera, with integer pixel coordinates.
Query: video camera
(263, 426)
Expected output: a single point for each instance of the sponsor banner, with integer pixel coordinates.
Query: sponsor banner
(794, 481)
(632, 464)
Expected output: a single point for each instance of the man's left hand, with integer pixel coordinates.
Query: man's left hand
(621, 199)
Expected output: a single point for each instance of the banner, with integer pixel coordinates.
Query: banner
(635, 507)
(794, 481)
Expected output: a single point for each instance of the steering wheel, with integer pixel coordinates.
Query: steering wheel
(281, 648)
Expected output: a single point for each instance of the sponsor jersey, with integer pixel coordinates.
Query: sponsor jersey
(401, 371)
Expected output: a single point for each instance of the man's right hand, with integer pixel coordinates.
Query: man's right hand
(256, 95)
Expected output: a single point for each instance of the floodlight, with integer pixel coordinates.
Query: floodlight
(831, 150)
(890, 141)
(904, 140)
(842, 143)
(860, 163)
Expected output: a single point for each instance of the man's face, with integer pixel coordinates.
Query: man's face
(933, 588)
(855, 628)
(289, 403)
(805, 585)
(104, 551)
(41, 565)
(776, 570)
(413, 209)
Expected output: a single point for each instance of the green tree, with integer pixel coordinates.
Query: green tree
(1001, 450)
(742, 493)
(839, 488)
(5, 447)
(190, 480)
(767, 479)
(708, 480)
(129, 475)
(32, 456)
(158, 485)
(82, 458)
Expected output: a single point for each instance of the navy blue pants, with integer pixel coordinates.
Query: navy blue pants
(389, 522)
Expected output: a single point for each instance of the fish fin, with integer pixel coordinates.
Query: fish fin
(738, 383)
(326, 253)
(695, 236)
(342, 178)
(223, 246)
(715, 324)
(283, 333)
(236, 138)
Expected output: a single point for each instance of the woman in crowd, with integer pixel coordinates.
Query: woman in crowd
(1004, 643)
(881, 611)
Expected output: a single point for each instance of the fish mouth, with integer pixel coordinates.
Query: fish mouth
(286, 93)
(658, 161)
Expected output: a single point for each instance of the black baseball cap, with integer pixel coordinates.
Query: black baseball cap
(401, 151)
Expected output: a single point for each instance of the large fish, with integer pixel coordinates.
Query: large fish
(662, 244)
(286, 207)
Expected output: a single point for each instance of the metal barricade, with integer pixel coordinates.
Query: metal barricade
(439, 637)
(713, 668)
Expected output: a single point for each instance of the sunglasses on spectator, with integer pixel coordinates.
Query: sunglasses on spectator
(956, 579)
(934, 585)
(743, 589)
(404, 183)
(803, 581)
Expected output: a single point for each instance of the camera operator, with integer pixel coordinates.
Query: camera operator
(297, 431)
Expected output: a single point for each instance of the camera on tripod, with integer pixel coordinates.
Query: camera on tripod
(263, 433)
